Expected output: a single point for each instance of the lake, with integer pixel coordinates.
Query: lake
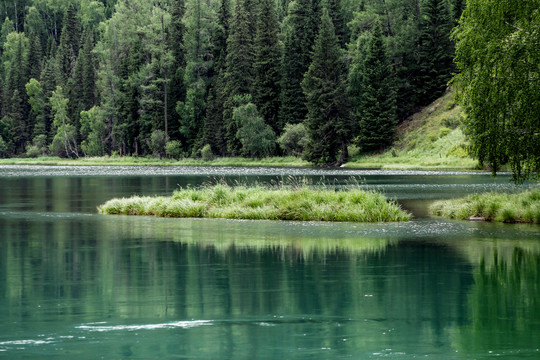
(78, 285)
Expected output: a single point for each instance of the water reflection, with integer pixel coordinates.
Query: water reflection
(78, 285)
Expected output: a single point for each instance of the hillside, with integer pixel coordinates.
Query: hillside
(429, 139)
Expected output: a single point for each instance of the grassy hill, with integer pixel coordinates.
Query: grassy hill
(429, 139)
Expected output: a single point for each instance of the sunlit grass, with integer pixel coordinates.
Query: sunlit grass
(281, 202)
(509, 208)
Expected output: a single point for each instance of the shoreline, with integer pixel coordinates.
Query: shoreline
(286, 162)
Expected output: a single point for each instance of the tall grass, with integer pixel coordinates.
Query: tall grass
(509, 208)
(279, 202)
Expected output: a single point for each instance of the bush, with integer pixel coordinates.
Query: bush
(38, 147)
(173, 149)
(206, 153)
(157, 142)
(3, 148)
(451, 121)
(257, 138)
(294, 139)
(93, 131)
(444, 131)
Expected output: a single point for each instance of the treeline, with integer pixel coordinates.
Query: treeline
(217, 77)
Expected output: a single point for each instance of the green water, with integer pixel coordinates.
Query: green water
(77, 285)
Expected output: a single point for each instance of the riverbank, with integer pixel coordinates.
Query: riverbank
(523, 207)
(297, 203)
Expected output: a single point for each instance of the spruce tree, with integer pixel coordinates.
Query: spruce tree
(328, 120)
(435, 51)
(68, 49)
(198, 50)
(214, 130)
(176, 44)
(239, 75)
(376, 103)
(300, 31)
(267, 65)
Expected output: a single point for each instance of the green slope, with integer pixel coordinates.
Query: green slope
(430, 139)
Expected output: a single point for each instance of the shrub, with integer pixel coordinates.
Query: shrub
(38, 146)
(206, 153)
(294, 139)
(257, 138)
(157, 142)
(173, 149)
(444, 131)
(3, 147)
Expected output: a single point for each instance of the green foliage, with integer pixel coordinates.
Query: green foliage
(267, 65)
(93, 132)
(296, 203)
(372, 84)
(3, 148)
(38, 146)
(173, 149)
(294, 139)
(435, 51)
(328, 120)
(158, 140)
(300, 28)
(240, 73)
(206, 153)
(497, 55)
(257, 138)
(64, 143)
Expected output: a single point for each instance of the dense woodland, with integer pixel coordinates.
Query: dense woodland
(218, 77)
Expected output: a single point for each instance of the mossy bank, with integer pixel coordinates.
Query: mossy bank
(261, 203)
(510, 208)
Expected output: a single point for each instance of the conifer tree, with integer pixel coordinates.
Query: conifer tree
(336, 14)
(239, 75)
(300, 31)
(214, 130)
(267, 65)
(176, 45)
(69, 46)
(375, 97)
(328, 120)
(198, 50)
(435, 51)
(35, 56)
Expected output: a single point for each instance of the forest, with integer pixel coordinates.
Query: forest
(192, 78)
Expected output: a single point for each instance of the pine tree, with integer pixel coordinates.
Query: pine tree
(267, 65)
(375, 97)
(328, 120)
(435, 51)
(239, 75)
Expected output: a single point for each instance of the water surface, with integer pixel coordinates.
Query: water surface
(74, 284)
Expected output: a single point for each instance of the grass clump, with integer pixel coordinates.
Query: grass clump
(509, 208)
(263, 203)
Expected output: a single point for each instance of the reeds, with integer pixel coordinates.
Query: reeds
(298, 202)
(508, 208)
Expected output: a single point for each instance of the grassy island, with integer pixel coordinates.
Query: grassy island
(261, 203)
(510, 208)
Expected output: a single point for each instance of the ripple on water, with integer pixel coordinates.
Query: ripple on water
(170, 325)
(44, 170)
